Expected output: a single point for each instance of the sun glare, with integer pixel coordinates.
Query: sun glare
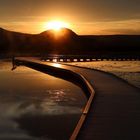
(56, 25)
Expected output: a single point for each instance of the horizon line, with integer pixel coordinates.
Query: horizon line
(115, 34)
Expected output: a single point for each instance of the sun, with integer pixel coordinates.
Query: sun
(56, 25)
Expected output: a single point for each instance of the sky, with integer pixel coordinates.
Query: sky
(84, 16)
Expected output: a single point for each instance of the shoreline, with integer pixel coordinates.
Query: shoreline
(106, 72)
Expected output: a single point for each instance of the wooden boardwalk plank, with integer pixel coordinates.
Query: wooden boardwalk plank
(115, 111)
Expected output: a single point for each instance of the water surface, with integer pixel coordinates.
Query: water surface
(36, 106)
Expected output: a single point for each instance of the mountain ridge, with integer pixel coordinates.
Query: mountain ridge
(66, 41)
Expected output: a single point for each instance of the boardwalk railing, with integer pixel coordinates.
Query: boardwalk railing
(88, 58)
(85, 111)
(68, 75)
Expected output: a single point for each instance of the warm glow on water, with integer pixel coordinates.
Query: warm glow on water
(56, 65)
(29, 98)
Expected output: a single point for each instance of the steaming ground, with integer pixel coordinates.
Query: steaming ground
(127, 70)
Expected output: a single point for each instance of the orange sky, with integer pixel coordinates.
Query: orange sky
(84, 17)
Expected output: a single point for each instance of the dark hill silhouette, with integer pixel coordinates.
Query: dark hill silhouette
(67, 42)
(64, 32)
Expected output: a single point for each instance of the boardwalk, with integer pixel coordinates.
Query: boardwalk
(115, 111)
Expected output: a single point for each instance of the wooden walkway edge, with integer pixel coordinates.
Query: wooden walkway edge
(115, 113)
(61, 73)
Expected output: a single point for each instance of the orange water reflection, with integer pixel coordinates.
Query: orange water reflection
(57, 65)
(29, 98)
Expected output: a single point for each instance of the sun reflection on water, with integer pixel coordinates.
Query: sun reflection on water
(57, 65)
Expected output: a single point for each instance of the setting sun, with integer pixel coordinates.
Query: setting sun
(56, 25)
